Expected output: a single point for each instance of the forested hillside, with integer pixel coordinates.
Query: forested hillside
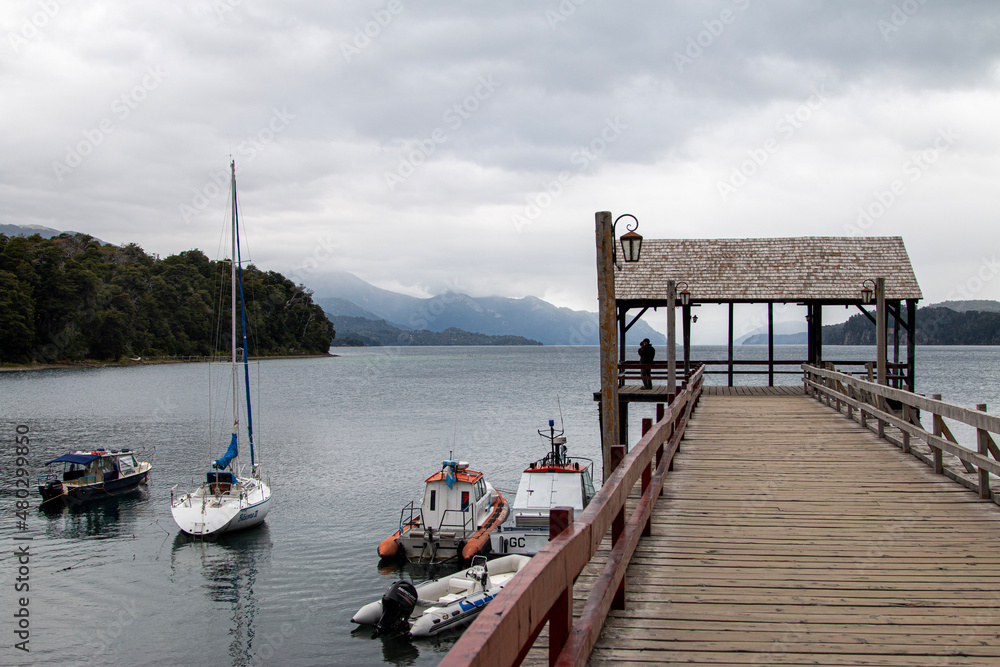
(72, 298)
(935, 326)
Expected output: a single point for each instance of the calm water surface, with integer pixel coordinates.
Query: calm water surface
(347, 441)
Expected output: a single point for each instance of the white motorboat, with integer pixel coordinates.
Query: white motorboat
(459, 511)
(236, 498)
(552, 481)
(435, 606)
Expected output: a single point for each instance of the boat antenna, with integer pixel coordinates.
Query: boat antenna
(562, 426)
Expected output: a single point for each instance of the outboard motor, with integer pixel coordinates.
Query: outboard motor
(397, 605)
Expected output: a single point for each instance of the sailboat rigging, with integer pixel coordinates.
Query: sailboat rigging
(229, 500)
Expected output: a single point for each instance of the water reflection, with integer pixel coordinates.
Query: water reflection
(100, 518)
(230, 566)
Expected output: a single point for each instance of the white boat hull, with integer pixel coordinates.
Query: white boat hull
(455, 609)
(204, 514)
(519, 541)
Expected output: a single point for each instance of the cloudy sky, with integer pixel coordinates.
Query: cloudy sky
(427, 146)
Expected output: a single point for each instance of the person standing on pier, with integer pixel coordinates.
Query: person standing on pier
(646, 354)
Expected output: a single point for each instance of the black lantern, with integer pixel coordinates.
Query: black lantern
(868, 293)
(631, 241)
(684, 296)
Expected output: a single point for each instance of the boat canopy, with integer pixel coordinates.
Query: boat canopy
(82, 459)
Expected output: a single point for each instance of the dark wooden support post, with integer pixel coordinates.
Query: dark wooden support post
(770, 344)
(880, 329)
(671, 339)
(730, 344)
(561, 614)
(621, 317)
(660, 411)
(809, 334)
(897, 382)
(686, 312)
(623, 423)
(618, 527)
(818, 326)
(983, 446)
(911, 343)
(607, 312)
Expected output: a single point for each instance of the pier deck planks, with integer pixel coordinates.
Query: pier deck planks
(788, 535)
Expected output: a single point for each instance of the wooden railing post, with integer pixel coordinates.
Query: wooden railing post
(983, 445)
(660, 411)
(647, 475)
(618, 526)
(561, 616)
(938, 428)
(862, 415)
(906, 434)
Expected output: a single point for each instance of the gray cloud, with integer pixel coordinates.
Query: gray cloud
(494, 119)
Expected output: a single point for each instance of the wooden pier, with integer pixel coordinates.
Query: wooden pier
(800, 538)
(786, 534)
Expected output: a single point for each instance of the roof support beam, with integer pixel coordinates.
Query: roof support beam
(634, 319)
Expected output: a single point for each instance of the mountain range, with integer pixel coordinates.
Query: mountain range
(530, 317)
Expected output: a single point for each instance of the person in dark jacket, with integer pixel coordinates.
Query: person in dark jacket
(646, 354)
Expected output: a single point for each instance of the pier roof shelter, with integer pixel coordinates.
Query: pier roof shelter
(810, 271)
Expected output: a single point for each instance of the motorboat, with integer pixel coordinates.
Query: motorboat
(233, 496)
(554, 480)
(459, 511)
(430, 608)
(93, 474)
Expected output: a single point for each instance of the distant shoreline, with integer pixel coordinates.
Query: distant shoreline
(65, 365)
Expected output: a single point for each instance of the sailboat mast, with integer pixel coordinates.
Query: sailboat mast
(246, 347)
(232, 319)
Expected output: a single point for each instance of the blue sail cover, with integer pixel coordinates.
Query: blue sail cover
(231, 453)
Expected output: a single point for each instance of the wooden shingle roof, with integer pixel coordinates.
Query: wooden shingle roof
(818, 268)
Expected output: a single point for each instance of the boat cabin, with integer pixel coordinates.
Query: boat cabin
(543, 488)
(97, 466)
(455, 498)
(220, 482)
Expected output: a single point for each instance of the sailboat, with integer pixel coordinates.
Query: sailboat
(232, 497)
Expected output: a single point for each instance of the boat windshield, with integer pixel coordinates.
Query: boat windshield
(126, 464)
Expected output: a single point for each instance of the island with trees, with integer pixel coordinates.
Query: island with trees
(72, 298)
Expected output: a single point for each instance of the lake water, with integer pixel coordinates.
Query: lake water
(347, 441)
